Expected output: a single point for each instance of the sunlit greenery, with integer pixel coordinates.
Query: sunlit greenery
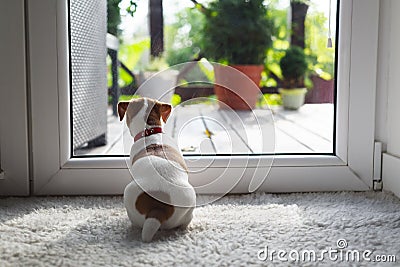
(184, 40)
(270, 99)
(128, 54)
(279, 44)
(176, 100)
(321, 57)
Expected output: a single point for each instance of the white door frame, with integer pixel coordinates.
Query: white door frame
(54, 172)
(13, 100)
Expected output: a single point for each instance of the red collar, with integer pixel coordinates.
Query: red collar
(148, 132)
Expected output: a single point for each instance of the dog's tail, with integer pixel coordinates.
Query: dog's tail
(153, 221)
(155, 211)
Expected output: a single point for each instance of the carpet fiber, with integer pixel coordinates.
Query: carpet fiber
(234, 231)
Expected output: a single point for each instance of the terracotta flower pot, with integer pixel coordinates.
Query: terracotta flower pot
(239, 91)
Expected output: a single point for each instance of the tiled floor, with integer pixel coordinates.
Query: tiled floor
(207, 129)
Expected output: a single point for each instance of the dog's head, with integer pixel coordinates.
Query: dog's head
(142, 113)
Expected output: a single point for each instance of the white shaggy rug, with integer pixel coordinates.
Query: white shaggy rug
(235, 231)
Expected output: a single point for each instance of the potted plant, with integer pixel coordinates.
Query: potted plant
(294, 67)
(238, 33)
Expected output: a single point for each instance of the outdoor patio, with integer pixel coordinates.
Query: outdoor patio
(207, 129)
(202, 127)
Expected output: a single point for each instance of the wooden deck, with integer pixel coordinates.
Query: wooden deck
(207, 129)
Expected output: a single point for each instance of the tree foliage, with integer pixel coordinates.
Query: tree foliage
(321, 58)
(114, 15)
(184, 37)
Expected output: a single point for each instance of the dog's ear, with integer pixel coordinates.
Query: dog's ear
(122, 107)
(165, 111)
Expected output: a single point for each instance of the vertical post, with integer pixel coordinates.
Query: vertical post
(156, 27)
(115, 90)
(299, 13)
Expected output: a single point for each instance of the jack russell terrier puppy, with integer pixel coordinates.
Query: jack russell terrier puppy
(160, 195)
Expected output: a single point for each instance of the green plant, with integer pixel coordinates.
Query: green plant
(294, 67)
(237, 31)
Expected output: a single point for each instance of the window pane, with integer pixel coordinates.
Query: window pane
(175, 51)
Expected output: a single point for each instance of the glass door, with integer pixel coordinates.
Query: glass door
(204, 121)
(247, 142)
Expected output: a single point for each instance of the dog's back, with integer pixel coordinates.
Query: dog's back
(160, 195)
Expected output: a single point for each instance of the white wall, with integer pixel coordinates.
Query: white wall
(393, 117)
(388, 93)
(383, 72)
(13, 99)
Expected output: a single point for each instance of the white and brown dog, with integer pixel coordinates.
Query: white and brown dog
(160, 195)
